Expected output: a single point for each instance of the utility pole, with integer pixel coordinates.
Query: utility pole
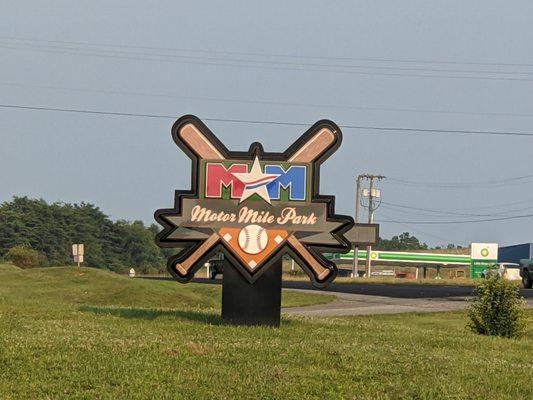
(372, 193)
(355, 264)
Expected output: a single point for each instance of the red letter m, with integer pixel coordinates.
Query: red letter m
(217, 175)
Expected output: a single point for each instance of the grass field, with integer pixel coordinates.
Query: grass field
(87, 334)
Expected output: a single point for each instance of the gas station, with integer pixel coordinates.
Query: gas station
(401, 264)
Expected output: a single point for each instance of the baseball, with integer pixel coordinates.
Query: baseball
(253, 239)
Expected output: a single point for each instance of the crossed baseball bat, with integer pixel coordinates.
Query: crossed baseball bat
(308, 152)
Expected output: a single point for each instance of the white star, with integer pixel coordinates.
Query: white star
(255, 182)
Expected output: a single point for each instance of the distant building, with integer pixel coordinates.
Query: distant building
(513, 254)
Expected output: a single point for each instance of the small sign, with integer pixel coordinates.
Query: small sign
(385, 272)
(78, 251)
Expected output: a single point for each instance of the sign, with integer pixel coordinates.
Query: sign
(483, 257)
(484, 251)
(254, 206)
(78, 252)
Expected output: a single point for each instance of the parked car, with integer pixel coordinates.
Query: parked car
(216, 267)
(510, 271)
(526, 272)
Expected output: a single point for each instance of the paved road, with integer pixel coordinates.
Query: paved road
(368, 299)
(364, 304)
(401, 291)
(360, 304)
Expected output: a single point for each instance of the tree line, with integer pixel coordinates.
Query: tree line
(51, 229)
(408, 242)
(43, 234)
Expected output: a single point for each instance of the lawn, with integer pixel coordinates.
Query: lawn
(86, 334)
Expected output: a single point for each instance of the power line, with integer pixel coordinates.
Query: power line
(268, 62)
(263, 102)
(277, 55)
(417, 229)
(264, 122)
(461, 221)
(285, 68)
(466, 185)
(410, 213)
(529, 201)
(445, 213)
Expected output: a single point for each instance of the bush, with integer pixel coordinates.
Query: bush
(23, 257)
(497, 309)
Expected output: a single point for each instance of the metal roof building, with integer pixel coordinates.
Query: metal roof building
(515, 253)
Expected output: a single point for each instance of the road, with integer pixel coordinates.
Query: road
(361, 304)
(400, 291)
(372, 298)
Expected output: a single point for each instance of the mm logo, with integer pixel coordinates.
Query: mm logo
(240, 180)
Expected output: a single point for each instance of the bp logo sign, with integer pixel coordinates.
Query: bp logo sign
(254, 206)
(484, 252)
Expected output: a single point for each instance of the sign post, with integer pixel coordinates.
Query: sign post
(253, 207)
(78, 252)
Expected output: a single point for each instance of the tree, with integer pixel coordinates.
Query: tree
(51, 229)
(497, 308)
(138, 243)
(401, 242)
(23, 257)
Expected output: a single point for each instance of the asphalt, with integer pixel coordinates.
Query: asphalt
(399, 291)
(360, 304)
(372, 298)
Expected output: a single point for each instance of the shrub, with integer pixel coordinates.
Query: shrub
(23, 257)
(497, 308)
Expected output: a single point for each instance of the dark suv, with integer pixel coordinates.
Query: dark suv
(526, 272)
(216, 267)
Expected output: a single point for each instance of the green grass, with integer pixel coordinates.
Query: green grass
(86, 334)
(73, 286)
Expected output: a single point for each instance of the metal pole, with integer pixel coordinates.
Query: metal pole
(355, 263)
(370, 221)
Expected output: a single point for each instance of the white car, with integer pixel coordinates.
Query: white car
(510, 271)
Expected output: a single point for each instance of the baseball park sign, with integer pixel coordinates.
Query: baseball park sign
(254, 207)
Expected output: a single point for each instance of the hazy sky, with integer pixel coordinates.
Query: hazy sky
(273, 61)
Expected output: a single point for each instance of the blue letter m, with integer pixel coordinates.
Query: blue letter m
(293, 179)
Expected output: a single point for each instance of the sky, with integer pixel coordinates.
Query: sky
(435, 65)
